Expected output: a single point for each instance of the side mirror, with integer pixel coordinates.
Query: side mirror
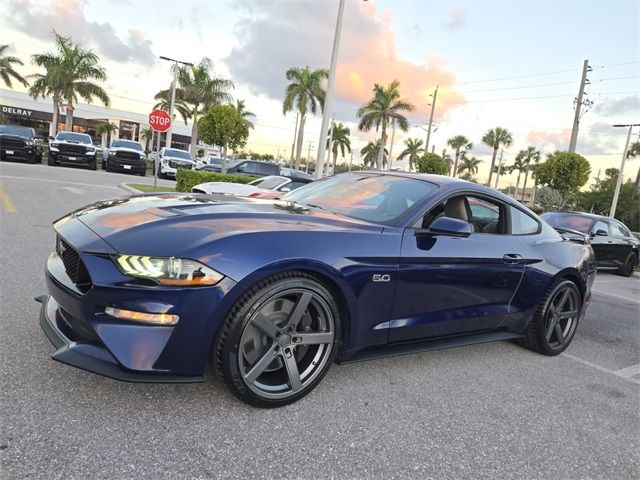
(241, 168)
(448, 226)
(51, 138)
(600, 233)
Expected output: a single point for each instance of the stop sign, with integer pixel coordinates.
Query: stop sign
(159, 120)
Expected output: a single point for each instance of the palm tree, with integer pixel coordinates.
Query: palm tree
(495, 138)
(447, 159)
(7, 72)
(520, 164)
(244, 113)
(460, 144)
(469, 165)
(414, 148)
(198, 89)
(147, 134)
(339, 136)
(306, 92)
(499, 170)
(385, 106)
(531, 154)
(163, 98)
(72, 71)
(370, 154)
(105, 130)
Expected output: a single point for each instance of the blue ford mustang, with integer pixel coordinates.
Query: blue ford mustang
(360, 265)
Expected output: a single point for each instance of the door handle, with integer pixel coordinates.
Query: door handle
(512, 258)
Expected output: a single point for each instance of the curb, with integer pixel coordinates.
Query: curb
(129, 189)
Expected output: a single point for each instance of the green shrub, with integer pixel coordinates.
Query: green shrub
(185, 179)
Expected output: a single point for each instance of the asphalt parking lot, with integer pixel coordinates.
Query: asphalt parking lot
(494, 410)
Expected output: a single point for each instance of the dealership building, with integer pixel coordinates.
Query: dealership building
(19, 108)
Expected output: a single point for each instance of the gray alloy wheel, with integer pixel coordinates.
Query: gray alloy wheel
(286, 343)
(562, 317)
(629, 265)
(555, 322)
(278, 340)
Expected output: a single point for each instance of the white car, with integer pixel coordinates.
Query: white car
(171, 159)
(272, 183)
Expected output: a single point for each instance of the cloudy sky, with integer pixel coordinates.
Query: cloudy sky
(512, 64)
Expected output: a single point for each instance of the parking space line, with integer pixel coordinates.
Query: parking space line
(629, 371)
(627, 299)
(31, 179)
(615, 373)
(6, 201)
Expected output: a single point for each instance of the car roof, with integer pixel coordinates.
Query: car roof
(582, 214)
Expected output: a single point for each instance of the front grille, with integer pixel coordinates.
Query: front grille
(127, 156)
(174, 164)
(72, 149)
(11, 143)
(73, 265)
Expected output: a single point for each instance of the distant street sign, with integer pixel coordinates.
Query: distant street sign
(159, 120)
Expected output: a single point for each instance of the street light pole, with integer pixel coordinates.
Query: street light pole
(328, 103)
(173, 95)
(433, 108)
(616, 193)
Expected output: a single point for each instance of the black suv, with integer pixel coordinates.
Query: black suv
(125, 156)
(19, 142)
(247, 167)
(613, 243)
(72, 147)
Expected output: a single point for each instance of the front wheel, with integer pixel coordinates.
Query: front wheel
(278, 340)
(93, 164)
(51, 161)
(554, 324)
(629, 265)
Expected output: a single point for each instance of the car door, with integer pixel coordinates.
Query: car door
(601, 242)
(621, 243)
(449, 285)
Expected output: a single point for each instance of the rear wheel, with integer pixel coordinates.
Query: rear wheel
(278, 340)
(32, 159)
(629, 265)
(554, 324)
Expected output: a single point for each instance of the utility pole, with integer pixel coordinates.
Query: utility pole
(499, 169)
(576, 117)
(174, 82)
(433, 108)
(616, 193)
(295, 134)
(328, 103)
(308, 157)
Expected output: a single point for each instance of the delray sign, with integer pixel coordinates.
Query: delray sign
(20, 112)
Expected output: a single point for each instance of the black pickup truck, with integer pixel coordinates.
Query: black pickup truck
(72, 147)
(19, 142)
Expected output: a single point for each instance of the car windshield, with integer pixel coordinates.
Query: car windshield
(14, 130)
(570, 221)
(172, 152)
(380, 199)
(268, 183)
(127, 144)
(234, 164)
(74, 137)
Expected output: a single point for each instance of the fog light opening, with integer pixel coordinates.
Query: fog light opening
(153, 318)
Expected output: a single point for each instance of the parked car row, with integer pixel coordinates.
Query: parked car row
(19, 142)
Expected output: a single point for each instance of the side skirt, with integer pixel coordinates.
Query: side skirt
(397, 349)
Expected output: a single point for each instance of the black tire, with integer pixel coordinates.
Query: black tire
(541, 335)
(629, 265)
(93, 164)
(143, 174)
(51, 161)
(228, 358)
(32, 159)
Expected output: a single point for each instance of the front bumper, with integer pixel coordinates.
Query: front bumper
(17, 152)
(86, 337)
(127, 166)
(71, 157)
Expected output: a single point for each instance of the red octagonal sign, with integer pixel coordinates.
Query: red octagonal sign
(159, 120)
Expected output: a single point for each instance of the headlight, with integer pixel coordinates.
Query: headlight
(91, 151)
(171, 271)
(112, 153)
(143, 156)
(165, 162)
(53, 147)
(29, 142)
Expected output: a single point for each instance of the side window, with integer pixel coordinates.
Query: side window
(484, 215)
(266, 169)
(618, 230)
(522, 223)
(292, 185)
(600, 225)
(249, 167)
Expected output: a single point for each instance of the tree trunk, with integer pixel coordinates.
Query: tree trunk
(223, 167)
(455, 163)
(335, 157)
(68, 124)
(524, 187)
(299, 141)
(393, 135)
(638, 179)
(194, 134)
(515, 194)
(383, 142)
(533, 195)
(54, 118)
(493, 164)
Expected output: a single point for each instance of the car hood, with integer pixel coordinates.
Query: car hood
(229, 188)
(13, 136)
(126, 149)
(176, 224)
(178, 159)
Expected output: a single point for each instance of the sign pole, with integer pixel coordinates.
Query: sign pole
(155, 164)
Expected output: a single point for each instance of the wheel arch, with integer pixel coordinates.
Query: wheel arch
(574, 276)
